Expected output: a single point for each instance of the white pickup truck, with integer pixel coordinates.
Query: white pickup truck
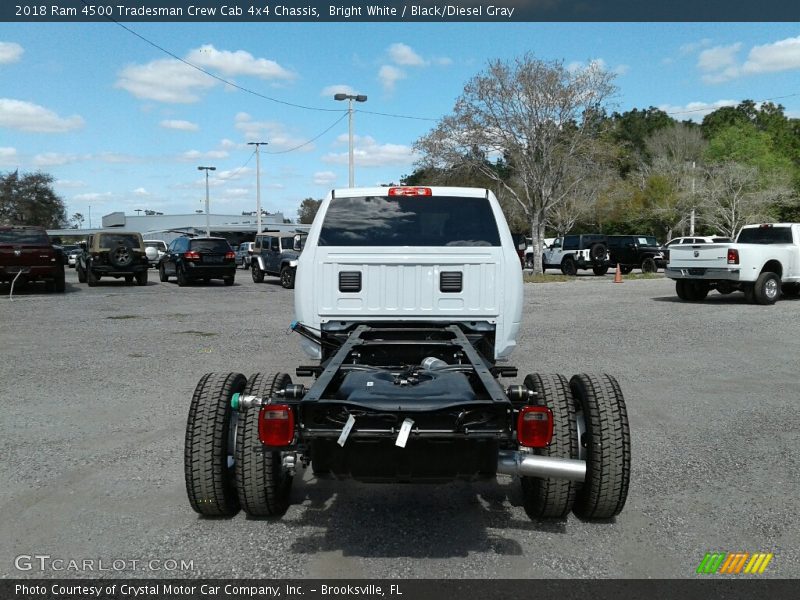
(764, 261)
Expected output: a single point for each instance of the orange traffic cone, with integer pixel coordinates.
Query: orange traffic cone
(618, 275)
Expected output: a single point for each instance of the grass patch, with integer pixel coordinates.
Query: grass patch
(123, 317)
(642, 276)
(198, 333)
(546, 278)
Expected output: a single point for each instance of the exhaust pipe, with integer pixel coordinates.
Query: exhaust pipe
(546, 467)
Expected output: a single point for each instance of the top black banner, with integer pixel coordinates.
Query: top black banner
(396, 11)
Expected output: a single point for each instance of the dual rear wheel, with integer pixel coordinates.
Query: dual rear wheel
(590, 422)
(225, 467)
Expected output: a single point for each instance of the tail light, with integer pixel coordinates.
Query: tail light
(733, 256)
(410, 191)
(535, 426)
(276, 425)
(191, 255)
(231, 255)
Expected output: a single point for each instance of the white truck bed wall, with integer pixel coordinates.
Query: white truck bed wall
(403, 283)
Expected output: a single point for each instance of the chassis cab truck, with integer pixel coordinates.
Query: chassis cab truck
(409, 302)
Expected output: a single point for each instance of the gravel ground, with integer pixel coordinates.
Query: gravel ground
(96, 387)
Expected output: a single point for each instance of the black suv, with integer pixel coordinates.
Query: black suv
(200, 258)
(113, 254)
(635, 251)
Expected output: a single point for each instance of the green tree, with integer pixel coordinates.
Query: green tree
(308, 210)
(541, 118)
(30, 200)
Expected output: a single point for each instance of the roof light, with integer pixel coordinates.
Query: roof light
(410, 191)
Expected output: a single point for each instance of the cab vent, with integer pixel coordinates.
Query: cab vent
(350, 281)
(450, 282)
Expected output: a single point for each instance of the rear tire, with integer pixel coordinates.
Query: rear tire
(608, 446)
(767, 289)
(183, 281)
(680, 289)
(162, 274)
(649, 266)
(141, 278)
(553, 498)
(60, 282)
(261, 482)
(625, 269)
(228, 280)
(209, 463)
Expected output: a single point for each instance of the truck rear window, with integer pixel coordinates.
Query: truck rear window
(111, 240)
(24, 236)
(765, 235)
(210, 245)
(409, 221)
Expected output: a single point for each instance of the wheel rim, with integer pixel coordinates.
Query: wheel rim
(771, 288)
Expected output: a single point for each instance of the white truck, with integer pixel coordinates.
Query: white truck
(764, 261)
(409, 298)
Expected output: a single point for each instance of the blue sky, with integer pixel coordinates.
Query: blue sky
(122, 125)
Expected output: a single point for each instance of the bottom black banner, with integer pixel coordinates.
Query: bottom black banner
(412, 589)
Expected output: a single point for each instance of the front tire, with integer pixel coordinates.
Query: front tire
(81, 275)
(600, 271)
(210, 446)
(257, 273)
(91, 277)
(553, 498)
(162, 274)
(607, 444)
(568, 266)
(262, 483)
(287, 277)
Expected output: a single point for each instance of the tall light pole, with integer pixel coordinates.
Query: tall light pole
(258, 184)
(350, 98)
(208, 220)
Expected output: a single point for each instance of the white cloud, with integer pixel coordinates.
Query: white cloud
(324, 178)
(10, 52)
(191, 155)
(237, 63)
(70, 184)
(442, 61)
(368, 153)
(694, 111)
(400, 54)
(720, 64)
(389, 76)
(164, 80)
(693, 47)
(179, 125)
(26, 116)
(141, 192)
(275, 133)
(329, 91)
(55, 159)
(783, 55)
(8, 155)
(116, 158)
(98, 197)
(173, 81)
(233, 175)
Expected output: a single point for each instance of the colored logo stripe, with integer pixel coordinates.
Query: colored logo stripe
(758, 562)
(711, 562)
(734, 562)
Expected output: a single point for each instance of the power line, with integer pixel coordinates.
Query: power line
(236, 172)
(311, 140)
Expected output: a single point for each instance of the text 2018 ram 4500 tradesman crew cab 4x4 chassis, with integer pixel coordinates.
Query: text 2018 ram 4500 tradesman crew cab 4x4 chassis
(410, 298)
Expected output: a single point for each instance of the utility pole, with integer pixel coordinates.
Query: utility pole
(208, 219)
(258, 183)
(350, 98)
(692, 215)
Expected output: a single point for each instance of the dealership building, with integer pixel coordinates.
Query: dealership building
(236, 228)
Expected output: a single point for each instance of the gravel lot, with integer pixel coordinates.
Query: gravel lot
(96, 386)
